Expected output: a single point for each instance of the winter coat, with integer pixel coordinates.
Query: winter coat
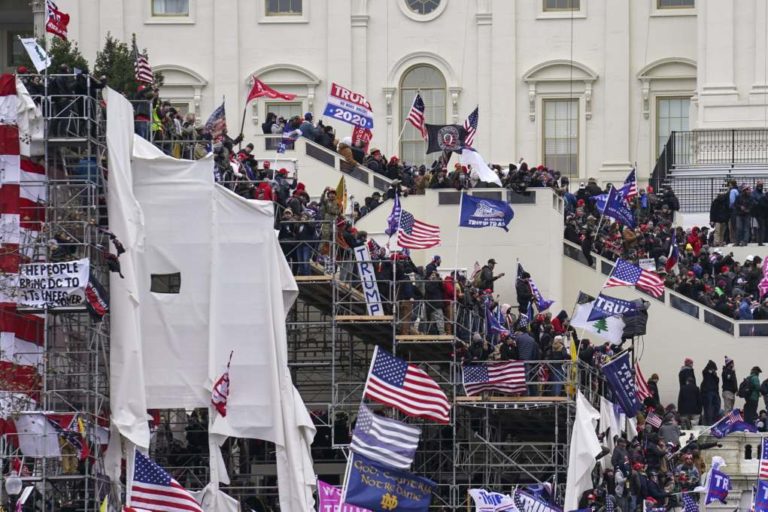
(686, 372)
(689, 400)
(710, 382)
(528, 349)
(346, 153)
(730, 383)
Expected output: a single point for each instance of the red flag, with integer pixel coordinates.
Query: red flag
(220, 392)
(57, 20)
(260, 89)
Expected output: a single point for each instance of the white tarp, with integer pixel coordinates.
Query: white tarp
(37, 437)
(584, 448)
(235, 289)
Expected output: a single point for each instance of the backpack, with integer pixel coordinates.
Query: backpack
(745, 388)
(764, 387)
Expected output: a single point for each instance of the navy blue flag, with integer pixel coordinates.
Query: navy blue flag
(731, 422)
(393, 221)
(542, 304)
(477, 212)
(761, 496)
(621, 378)
(719, 485)
(606, 306)
(377, 487)
(616, 208)
(689, 504)
(492, 321)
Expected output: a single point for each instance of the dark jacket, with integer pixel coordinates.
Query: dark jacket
(686, 372)
(524, 294)
(689, 400)
(527, 347)
(710, 382)
(730, 382)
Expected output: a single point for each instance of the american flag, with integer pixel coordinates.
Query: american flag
(220, 391)
(388, 441)
(153, 489)
(507, 377)
(630, 186)
(470, 127)
(416, 116)
(627, 274)
(642, 389)
(141, 67)
(216, 124)
(653, 420)
(763, 471)
(414, 234)
(689, 504)
(406, 387)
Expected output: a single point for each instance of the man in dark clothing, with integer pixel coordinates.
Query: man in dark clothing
(508, 350)
(686, 372)
(710, 384)
(750, 401)
(689, 403)
(432, 265)
(524, 293)
(486, 275)
(528, 350)
(730, 384)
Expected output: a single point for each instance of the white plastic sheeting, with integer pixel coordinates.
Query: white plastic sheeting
(235, 290)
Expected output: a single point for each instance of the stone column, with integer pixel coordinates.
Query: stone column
(484, 20)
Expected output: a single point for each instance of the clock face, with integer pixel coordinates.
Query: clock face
(422, 6)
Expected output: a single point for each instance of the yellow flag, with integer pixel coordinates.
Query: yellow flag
(81, 426)
(341, 195)
(104, 504)
(571, 387)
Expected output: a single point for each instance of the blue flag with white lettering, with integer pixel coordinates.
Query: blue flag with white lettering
(477, 212)
(621, 379)
(375, 486)
(719, 485)
(605, 306)
(761, 496)
(616, 208)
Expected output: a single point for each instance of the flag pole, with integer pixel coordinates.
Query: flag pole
(456, 266)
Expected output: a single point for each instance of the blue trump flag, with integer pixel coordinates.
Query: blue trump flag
(621, 378)
(761, 496)
(377, 487)
(616, 208)
(605, 306)
(477, 212)
(719, 485)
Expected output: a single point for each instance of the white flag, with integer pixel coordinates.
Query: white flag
(610, 328)
(37, 437)
(40, 59)
(584, 448)
(473, 158)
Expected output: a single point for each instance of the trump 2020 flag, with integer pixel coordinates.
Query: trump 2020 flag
(616, 208)
(477, 212)
(605, 306)
(761, 496)
(618, 372)
(719, 485)
(377, 487)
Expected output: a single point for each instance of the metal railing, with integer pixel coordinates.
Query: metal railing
(718, 148)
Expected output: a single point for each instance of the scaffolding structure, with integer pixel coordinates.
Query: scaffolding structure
(492, 442)
(74, 387)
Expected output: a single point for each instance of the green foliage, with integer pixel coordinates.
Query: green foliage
(601, 325)
(116, 61)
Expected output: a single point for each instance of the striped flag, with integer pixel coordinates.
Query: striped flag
(406, 387)
(641, 385)
(653, 420)
(153, 489)
(141, 67)
(414, 234)
(630, 186)
(627, 274)
(416, 116)
(763, 471)
(507, 377)
(470, 127)
(384, 440)
(216, 124)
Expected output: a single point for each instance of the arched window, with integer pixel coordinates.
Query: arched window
(430, 83)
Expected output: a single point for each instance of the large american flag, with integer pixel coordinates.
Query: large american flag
(630, 186)
(153, 489)
(414, 234)
(141, 67)
(406, 387)
(642, 390)
(388, 441)
(627, 274)
(470, 126)
(507, 377)
(416, 115)
(763, 471)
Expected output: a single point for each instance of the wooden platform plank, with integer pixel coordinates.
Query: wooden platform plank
(424, 338)
(310, 279)
(364, 318)
(511, 399)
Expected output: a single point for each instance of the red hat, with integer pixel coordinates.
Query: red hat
(637, 465)
(688, 361)
(266, 164)
(283, 170)
(22, 70)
